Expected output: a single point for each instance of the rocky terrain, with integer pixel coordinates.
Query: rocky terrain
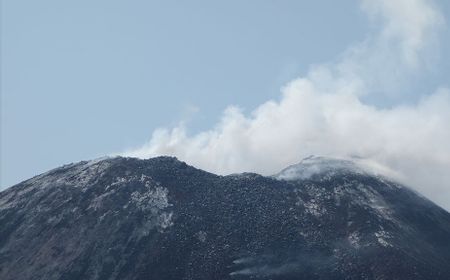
(125, 218)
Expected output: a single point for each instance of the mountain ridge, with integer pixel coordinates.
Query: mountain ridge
(126, 218)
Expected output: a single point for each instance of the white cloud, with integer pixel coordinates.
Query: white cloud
(407, 25)
(323, 114)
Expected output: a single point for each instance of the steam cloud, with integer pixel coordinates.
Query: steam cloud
(324, 113)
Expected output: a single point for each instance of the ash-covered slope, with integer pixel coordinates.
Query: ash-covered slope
(124, 218)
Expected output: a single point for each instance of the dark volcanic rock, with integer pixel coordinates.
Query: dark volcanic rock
(124, 218)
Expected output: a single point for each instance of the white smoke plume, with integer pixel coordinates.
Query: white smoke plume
(323, 113)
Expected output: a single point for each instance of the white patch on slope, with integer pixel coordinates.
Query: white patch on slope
(154, 201)
(383, 237)
(80, 175)
(354, 239)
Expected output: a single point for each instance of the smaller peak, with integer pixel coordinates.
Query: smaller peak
(325, 160)
(100, 160)
(165, 158)
(158, 160)
(244, 175)
(313, 165)
(162, 157)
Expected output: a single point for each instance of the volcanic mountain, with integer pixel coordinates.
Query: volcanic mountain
(126, 218)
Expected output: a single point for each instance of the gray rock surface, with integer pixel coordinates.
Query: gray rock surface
(125, 218)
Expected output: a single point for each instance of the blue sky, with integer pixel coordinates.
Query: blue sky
(83, 79)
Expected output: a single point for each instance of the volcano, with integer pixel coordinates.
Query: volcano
(159, 218)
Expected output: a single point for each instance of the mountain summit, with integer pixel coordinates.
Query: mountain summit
(316, 165)
(125, 218)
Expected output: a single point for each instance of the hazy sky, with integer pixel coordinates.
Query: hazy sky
(83, 79)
